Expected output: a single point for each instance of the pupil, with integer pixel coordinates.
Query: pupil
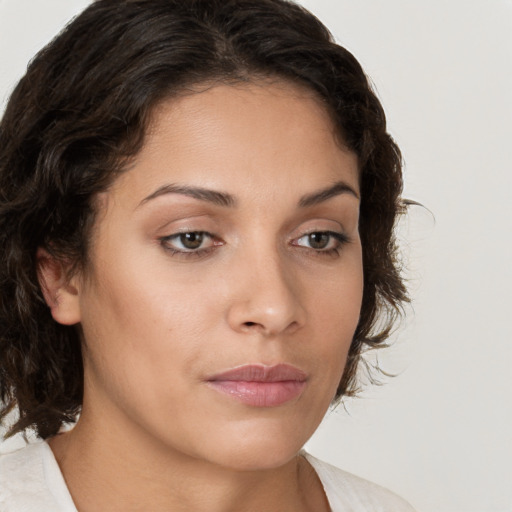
(191, 240)
(318, 240)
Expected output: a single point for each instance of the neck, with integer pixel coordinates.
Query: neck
(121, 470)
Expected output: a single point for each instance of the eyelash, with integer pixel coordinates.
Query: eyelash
(340, 238)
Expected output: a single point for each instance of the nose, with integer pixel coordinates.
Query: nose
(266, 298)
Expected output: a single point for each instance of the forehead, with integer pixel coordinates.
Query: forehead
(244, 137)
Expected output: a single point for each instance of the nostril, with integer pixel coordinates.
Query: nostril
(250, 324)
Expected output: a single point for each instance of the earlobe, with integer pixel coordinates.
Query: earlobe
(60, 293)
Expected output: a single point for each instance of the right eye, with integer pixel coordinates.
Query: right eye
(190, 242)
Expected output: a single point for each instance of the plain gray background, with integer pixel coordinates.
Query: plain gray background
(440, 432)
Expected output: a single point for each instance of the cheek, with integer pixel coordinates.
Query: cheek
(335, 310)
(144, 323)
(335, 301)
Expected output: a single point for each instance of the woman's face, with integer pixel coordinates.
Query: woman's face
(225, 278)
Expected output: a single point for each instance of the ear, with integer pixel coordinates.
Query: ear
(60, 293)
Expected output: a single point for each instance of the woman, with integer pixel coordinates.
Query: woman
(198, 201)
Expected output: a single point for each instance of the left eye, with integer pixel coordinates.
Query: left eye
(321, 240)
(189, 242)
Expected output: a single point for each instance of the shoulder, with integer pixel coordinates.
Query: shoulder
(350, 493)
(23, 485)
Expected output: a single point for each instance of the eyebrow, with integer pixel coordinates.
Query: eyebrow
(228, 200)
(203, 194)
(340, 187)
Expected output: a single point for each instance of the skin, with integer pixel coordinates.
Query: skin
(159, 319)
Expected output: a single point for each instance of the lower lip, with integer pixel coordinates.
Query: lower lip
(260, 394)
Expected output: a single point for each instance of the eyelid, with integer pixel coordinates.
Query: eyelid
(173, 222)
(331, 232)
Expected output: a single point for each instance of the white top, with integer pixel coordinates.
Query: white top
(350, 493)
(31, 481)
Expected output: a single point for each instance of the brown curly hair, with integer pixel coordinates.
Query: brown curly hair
(82, 110)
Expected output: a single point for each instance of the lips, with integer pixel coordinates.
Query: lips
(259, 385)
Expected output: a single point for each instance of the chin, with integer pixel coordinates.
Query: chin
(261, 450)
(259, 459)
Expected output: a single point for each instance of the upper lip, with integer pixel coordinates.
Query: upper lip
(261, 373)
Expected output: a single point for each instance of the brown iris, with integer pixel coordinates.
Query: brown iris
(192, 240)
(319, 240)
